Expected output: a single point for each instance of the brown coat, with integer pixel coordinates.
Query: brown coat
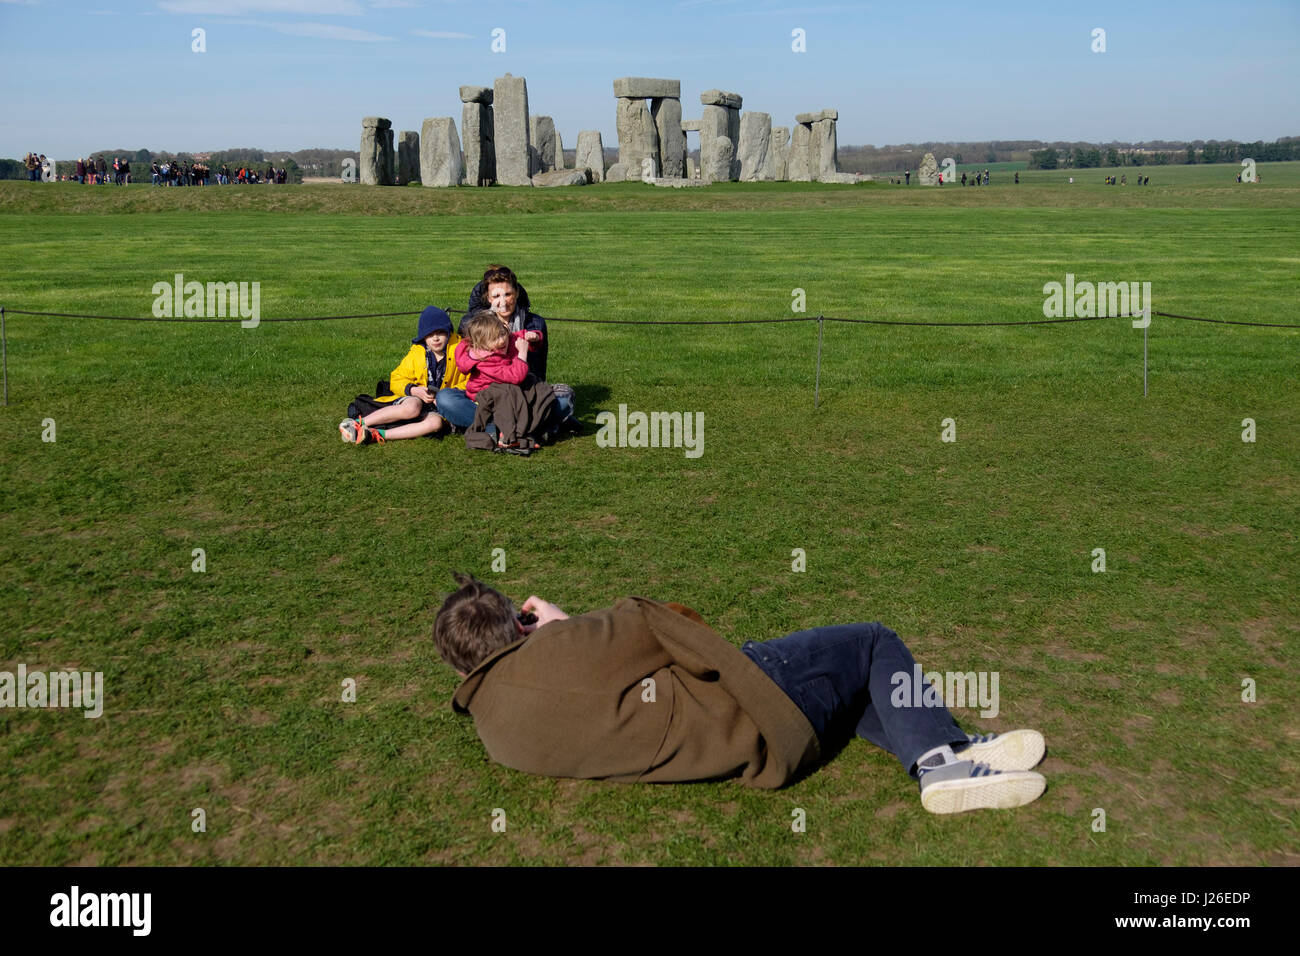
(570, 700)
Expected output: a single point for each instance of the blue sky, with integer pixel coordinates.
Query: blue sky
(292, 74)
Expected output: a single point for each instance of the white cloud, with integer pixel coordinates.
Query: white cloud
(234, 8)
(442, 35)
(319, 31)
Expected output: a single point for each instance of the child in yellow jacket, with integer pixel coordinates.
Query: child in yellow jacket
(411, 409)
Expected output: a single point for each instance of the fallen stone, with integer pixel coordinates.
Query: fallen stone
(645, 88)
(721, 98)
(617, 173)
(845, 178)
(562, 177)
(677, 182)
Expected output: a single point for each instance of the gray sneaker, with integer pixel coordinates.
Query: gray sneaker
(967, 785)
(1015, 750)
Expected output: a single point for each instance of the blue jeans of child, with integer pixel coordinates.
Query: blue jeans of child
(846, 673)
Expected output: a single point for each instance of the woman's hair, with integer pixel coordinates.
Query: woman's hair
(484, 330)
(473, 624)
(499, 274)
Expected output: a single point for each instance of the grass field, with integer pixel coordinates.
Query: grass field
(325, 562)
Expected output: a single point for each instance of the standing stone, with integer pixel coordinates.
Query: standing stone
(667, 113)
(927, 174)
(755, 143)
(440, 159)
(376, 151)
(691, 171)
(510, 122)
(591, 154)
(476, 125)
(408, 157)
(617, 173)
(774, 168)
(559, 151)
(713, 133)
(637, 136)
(798, 168)
(541, 144)
(721, 119)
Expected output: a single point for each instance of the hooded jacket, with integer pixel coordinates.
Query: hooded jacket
(635, 693)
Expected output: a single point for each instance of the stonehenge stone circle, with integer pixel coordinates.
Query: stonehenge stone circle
(408, 157)
(591, 154)
(440, 158)
(510, 123)
(376, 151)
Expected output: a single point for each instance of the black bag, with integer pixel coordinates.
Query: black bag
(363, 405)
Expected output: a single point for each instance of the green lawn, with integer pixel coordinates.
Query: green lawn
(326, 562)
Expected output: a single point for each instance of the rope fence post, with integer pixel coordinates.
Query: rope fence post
(817, 380)
(4, 351)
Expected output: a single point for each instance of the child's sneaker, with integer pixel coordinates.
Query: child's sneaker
(350, 430)
(966, 785)
(1015, 750)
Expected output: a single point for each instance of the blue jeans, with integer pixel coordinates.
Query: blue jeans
(455, 406)
(845, 673)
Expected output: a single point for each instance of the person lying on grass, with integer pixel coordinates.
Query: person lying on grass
(646, 692)
(410, 408)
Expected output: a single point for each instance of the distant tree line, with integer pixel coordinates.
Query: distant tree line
(298, 163)
(1086, 156)
(1037, 154)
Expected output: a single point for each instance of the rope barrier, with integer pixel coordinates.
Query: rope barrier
(629, 322)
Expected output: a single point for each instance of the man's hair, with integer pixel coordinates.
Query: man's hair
(473, 624)
(496, 274)
(484, 330)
